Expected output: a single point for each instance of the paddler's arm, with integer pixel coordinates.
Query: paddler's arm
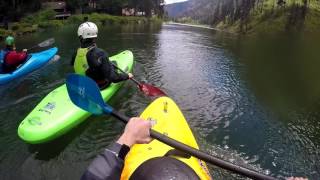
(110, 163)
(73, 58)
(115, 76)
(107, 165)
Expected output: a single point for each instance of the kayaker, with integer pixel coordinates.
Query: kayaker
(92, 61)
(110, 163)
(12, 59)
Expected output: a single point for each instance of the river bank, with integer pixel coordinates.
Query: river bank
(191, 25)
(280, 21)
(291, 18)
(203, 26)
(45, 19)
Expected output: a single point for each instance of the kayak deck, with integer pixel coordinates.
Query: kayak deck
(170, 121)
(56, 114)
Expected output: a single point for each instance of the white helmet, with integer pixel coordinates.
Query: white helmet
(88, 30)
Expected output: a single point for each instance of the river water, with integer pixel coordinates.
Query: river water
(248, 102)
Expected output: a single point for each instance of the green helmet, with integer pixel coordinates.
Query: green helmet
(9, 40)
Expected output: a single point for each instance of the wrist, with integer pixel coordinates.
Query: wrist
(120, 150)
(127, 140)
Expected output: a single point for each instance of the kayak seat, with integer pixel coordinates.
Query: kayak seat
(164, 168)
(178, 153)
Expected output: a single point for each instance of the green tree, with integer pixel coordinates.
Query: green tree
(15, 9)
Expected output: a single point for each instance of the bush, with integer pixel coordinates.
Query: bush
(106, 19)
(23, 29)
(187, 20)
(19, 26)
(45, 19)
(48, 14)
(40, 16)
(51, 24)
(75, 19)
(4, 33)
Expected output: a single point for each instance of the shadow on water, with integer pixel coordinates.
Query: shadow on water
(282, 72)
(52, 149)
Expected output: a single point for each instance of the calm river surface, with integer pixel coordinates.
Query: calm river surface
(245, 102)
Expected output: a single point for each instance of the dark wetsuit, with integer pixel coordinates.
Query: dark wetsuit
(100, 68)
(107, 165)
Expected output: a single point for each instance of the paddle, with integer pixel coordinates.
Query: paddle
(85, 93)
(147, 89)
(45, 43)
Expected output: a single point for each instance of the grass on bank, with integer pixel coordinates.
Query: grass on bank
(279, 19)
(277, 22)
(272, 19)
(46, 19)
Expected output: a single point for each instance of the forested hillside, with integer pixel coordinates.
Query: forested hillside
(177, 9)
(248, 15)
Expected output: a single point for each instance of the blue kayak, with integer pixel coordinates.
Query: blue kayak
(35, 61)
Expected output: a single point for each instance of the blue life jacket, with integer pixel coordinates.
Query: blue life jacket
(3, 54)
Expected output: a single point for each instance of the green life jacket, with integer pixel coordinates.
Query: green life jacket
(81, 64)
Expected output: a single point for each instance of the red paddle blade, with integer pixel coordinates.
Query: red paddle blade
(150, 90)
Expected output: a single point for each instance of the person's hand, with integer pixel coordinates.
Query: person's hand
(25, 50)
(130, 75)
(137, 131)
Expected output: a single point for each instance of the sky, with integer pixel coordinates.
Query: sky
(173, 1)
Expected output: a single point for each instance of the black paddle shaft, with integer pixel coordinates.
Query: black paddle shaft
(133, 79)
(199, 154)
(45, 43)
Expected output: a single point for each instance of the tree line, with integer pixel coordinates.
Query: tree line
(114, 7)
(229, 11)
(13, 10)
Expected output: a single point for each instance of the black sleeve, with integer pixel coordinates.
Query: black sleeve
(73, 58)
(115, 76)
(106, 165)
(101, 67)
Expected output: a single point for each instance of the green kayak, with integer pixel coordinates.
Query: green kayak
(56, 114)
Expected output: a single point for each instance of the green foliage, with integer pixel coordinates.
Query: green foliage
(106, 19)
(187, 20)
(31, 22)
(17, 26)
(246, 16)
(312, 22)
(22, 28)
(114, 7)
(47, 14)
(4, 33)
(46, 19)
(44, 15)
(51, 24)
(13, 10)
(76, 19)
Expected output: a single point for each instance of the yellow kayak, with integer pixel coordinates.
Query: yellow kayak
(170, 121)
